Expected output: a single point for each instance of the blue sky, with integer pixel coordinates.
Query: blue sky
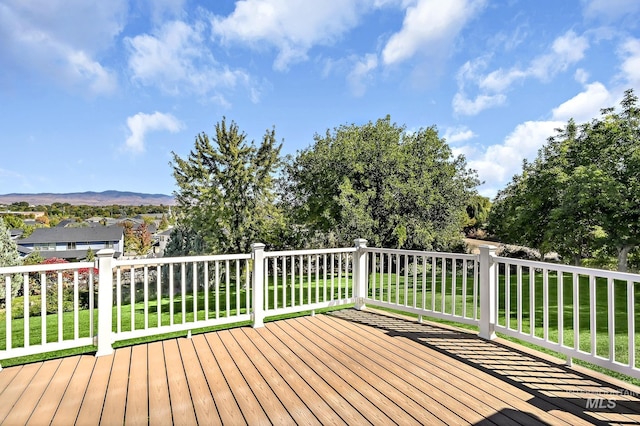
(96, 95)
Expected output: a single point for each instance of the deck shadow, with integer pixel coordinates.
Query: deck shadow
(553, 386)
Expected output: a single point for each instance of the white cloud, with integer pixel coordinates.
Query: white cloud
(581, 76)
(360, 75)
(630, 67)
(176, 59)
(585, 105)
(458, 134)
(427, 26)
(141, 124)
(61, 40)
(291, 26)
(565, 51)
(161, 9)
(610, 10)
(466, 106)
(498, 163)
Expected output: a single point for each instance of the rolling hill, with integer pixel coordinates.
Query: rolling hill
(91, 198)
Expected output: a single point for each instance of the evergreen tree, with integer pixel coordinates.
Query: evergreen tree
(226, 192)
(9, 256)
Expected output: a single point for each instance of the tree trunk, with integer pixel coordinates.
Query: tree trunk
(623, 252)
(577, 260)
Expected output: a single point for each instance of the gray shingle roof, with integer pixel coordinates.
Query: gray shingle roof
(74, 235)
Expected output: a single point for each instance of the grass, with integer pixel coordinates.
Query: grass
(132, 317)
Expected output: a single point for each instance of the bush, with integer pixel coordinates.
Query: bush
(17, 305)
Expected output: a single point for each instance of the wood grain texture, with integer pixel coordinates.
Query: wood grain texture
(348, 367)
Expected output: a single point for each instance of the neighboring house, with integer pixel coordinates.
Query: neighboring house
(15, 233)
(107, 221)
(160, 241)
(137, 223)
(65, 223)
(73, 243)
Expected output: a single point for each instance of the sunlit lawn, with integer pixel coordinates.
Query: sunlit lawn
(293, 294)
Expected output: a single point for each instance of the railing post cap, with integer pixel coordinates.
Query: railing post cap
(360, 242)
(488, 247)
(257, 246)
(106, 253)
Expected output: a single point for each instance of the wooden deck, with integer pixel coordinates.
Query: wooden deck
(348, 367)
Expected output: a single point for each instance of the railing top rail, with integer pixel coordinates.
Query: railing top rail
(309, 252)
(190, 259)
(423, 253)
(581, 270)
(45, 268)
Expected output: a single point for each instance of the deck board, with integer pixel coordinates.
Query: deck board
(203, 403)
(30, 397)
(293, 404)
(349, 367)
(92, 405)
(460, 384)
(365, 400)
(227, 407)
(429, 384)
(52, 396)
(14, 390)
(71, 401)
(158, 387)
(251, 409)
(137, 406)
(116, 397)
(326, 392)
(268, 400)
(368, 371)
(182, 409)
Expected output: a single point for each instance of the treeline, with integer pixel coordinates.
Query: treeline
(581, 196)
(82, 212)
(377, 181)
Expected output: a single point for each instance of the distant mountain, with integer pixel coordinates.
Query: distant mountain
(91, 198)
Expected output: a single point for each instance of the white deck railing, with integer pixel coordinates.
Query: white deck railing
(584, 313)
(53, 310)
(438, 285)
(176, 294)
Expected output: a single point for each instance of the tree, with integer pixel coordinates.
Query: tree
(164, 223)
(9, 256)
(33, 258)
(143, 238)
(477, 213)
(582, 192)
(91, 256)
(226, 191)
(130, 243)
(378, 181)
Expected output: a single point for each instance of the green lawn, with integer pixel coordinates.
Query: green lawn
(226, 306)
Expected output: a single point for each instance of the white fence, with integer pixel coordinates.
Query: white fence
(584, 313)
(438, 285)
(53, 309)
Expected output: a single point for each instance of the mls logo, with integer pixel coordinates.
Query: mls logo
(600, 403)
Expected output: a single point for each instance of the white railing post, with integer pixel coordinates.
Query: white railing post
(105, 301)
(257, 285)
(488, 292)
(360, 273)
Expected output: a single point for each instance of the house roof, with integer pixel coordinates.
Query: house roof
(73, 235)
